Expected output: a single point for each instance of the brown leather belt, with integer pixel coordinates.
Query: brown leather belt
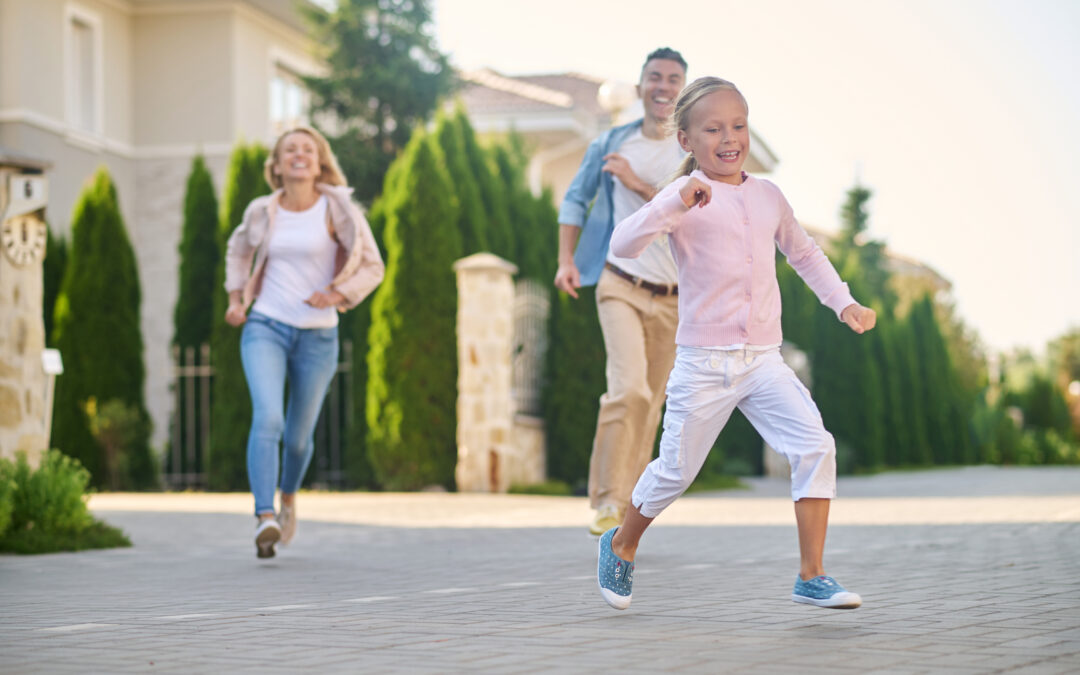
(655, 289)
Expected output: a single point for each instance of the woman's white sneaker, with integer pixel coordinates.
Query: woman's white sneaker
(267, 535)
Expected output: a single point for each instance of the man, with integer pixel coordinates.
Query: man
(636, 298)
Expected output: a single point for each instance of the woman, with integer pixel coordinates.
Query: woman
(302, 254)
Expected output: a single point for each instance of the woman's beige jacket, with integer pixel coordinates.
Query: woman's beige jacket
(358, 267)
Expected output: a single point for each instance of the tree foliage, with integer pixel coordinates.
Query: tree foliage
(385, 77)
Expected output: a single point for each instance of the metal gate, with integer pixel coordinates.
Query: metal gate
(193, 373)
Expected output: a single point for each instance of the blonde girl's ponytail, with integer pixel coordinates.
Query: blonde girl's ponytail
(680, 119)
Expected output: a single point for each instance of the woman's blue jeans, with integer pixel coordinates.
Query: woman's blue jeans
(273, 352)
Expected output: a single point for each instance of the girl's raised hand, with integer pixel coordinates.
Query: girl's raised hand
(695, 192)
(860, 319)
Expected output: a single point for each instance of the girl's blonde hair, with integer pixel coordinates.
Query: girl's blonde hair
(680, 119)
(329, 171)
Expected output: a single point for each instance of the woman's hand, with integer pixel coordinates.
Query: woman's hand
(860, 319)
(695, 192)
(320, 300)
(235, 314)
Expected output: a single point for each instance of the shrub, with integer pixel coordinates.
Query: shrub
(7, 495)
(48, 508)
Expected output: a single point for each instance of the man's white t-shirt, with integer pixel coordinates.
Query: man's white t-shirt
(653, 161)
(300, 261)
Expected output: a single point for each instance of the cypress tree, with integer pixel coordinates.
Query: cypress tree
(575, 381)
(97, 329)
(412, 356)
(472, 220)
(935, 382)
(193, 315)
(56, 256)
(918, 452)
(500, 235)
(898, 436)
(199, 257)
(226, 466)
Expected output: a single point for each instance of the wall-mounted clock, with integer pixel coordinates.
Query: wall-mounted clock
(23, 239)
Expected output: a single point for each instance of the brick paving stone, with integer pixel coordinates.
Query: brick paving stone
(949, 595)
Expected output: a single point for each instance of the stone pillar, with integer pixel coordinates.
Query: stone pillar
(485, 324)
(23, 194)
(776, 465)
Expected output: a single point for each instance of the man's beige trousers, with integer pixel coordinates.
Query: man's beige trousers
(639, 336)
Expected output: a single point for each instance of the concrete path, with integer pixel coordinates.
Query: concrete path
(973, 570)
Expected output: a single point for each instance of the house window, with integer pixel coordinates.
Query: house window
(289, 100)
(84, 68)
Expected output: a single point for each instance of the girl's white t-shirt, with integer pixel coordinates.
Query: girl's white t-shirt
(300, 261)
(652, 160)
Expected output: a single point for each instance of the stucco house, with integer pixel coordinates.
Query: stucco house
(141, 86)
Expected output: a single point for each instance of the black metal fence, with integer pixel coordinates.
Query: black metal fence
(189, 442)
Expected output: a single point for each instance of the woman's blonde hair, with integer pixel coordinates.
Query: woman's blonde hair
(329, 171)
(680, 119)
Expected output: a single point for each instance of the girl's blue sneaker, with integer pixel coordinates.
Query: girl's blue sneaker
(824, 591)
(614, 575)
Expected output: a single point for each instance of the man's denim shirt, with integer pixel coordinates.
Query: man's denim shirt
(596, 223)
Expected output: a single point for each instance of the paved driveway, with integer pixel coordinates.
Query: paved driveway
(971, 570)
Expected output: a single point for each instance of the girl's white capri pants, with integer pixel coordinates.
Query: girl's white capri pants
(703, 390)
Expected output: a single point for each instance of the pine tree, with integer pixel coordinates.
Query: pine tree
(853, 244)
(226, 463)
(385, 77)
(412, 357)
(472, 220)
(97, 330)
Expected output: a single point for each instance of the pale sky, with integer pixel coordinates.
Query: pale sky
(962, 116)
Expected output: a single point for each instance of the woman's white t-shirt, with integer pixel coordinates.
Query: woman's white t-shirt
(300, 261)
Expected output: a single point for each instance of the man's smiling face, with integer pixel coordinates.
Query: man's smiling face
(661, 82)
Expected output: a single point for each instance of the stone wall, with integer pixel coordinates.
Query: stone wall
(22, 339)
(495, 447)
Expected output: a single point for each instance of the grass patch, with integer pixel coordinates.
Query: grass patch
(711, 482)
(33, 541)
(551, 488)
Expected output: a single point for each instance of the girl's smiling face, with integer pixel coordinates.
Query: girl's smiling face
(718, 135)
